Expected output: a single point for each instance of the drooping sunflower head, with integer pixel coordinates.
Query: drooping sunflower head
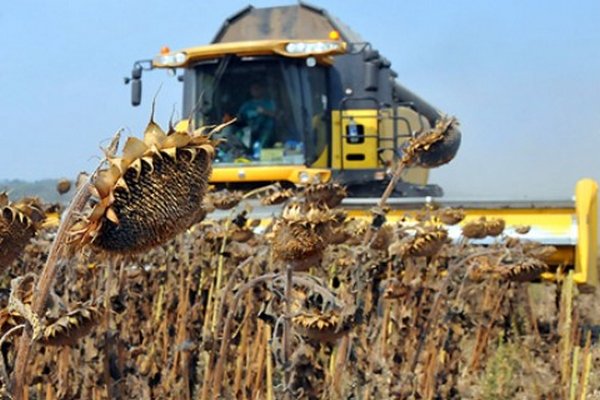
(67, 329)
(19, 222)
(321, 318)
(494, 227)
(150, 193)
(525, 270)
(329, 194)
(277, 197)
(475, 229)
(435, 147)
(450, 216)
(225, 199)
(482, 227)
(426, 242)
(302, 233)
(63, 186)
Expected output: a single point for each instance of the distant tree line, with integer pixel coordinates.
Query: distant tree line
(45, 189)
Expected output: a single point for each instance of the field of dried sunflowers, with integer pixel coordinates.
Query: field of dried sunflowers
(144, 291)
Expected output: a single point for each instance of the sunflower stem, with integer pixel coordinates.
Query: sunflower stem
(386, 195)
(218, 375)
(46, 280)
(289, 276)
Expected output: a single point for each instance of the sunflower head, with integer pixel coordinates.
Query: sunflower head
(302, 233)
(225, 199)
(18, 224)
(426, 242)
(450, 216)
(525, 270)
(494, 227)
(329, 194)
(150, 193)
(277, 197)
(475, 229)
(66, 330)
(63, 186)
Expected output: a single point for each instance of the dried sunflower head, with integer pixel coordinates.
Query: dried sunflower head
(522, 229)
(451, 216)
(442, 149)
(325, 322)
(241, 229)
(278, 197)
(63, 186)
(322, 326)
(356, 229)
(241, 235)
(152, 192)
(433, 148)
(18, 224)
(475, 229)
(494, 227)
(539, 251)
(330, 194)
(480, 268)
(523, 271)
(339, 235)
(66, 330)
(224, 199)
(301, 234)
(426, 242)
(382, 238)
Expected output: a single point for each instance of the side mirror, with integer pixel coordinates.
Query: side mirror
(136, 92)
(371, 76)
(136, 85)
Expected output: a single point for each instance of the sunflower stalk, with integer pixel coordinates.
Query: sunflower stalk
(587, 366)
(225, 337)
(260, 362)
(287, 350)
(46, 280)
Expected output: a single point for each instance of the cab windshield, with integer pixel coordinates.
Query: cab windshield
(264, 96)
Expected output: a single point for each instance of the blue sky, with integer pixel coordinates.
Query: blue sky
(523, 77)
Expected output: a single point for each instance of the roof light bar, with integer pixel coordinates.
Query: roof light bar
(312, 47)
(170, 60)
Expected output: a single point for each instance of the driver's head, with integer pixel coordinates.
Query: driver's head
(257, 90)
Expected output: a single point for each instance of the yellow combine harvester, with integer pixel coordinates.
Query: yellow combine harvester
(312, 102)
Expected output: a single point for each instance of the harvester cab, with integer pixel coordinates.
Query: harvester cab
(311, 100)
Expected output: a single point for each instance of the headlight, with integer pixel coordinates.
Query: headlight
(311, 48)
(304, 177)
(170, 60)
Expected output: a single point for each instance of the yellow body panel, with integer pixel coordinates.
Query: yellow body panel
(586, 204)
(551, 222)
(253, 48)
(373, 124)
(254, 173)
(343, 151)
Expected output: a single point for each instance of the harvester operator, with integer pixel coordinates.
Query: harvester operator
(258, 112)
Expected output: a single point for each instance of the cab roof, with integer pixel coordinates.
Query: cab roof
(301, 22)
